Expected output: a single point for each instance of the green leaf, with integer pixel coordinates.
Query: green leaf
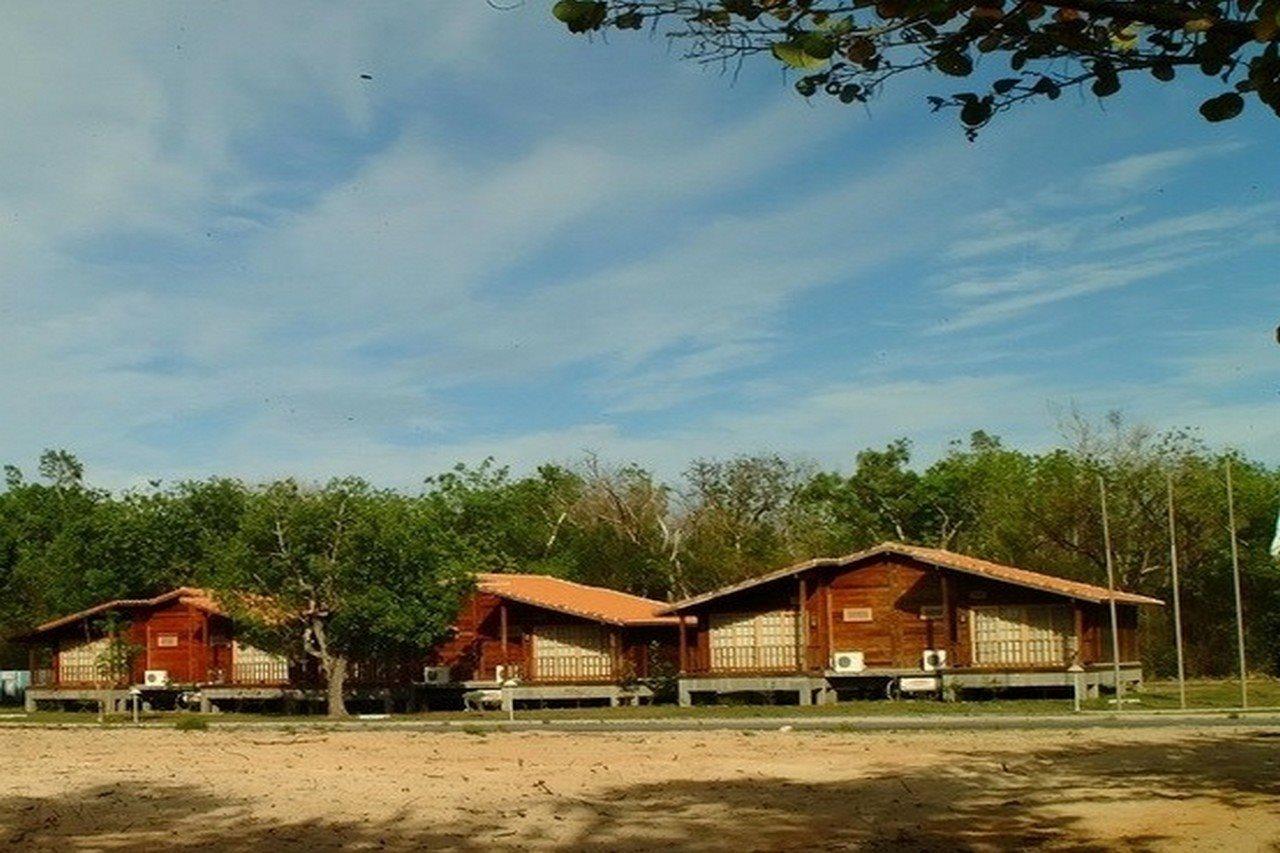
(1048, 88)
(815, 44)
(975, 112)
(837, 26)
(629, 21)
(580, 16)
(954, 63)
(1162, 71)
(791, 54)
(1107, 81)
(1225, 106)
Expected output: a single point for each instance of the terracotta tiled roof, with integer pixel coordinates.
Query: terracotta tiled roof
(198, 598)
(937, 557)
(576, 599)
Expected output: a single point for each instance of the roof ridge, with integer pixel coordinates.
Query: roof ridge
(940, 556)
(580, 585)
(159, 598)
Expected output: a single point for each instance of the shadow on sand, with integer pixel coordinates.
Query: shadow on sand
(973, 800)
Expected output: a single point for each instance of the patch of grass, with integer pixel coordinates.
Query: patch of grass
(1209, 693)
(191, 723)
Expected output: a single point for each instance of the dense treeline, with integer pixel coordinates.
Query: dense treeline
(65, 544)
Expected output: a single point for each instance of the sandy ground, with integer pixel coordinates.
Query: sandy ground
(257, 790)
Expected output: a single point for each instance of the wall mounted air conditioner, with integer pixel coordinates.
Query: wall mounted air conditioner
(437, 674)
(933, 660)
(156, 678)
(848, 663)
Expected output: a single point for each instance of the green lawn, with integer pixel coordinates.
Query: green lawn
(1155, 696)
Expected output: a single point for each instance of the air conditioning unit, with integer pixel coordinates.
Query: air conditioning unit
(156, 678)
(933, 660)
(848, 663)
(437, 674)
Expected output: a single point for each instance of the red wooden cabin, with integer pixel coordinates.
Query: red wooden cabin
(882, 610)
(182, 633)
(545, 630)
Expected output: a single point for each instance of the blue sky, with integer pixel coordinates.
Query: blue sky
(223, 251)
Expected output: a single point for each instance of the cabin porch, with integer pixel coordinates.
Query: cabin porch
(824, 689)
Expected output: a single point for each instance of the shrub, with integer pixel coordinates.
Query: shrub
(191, 723)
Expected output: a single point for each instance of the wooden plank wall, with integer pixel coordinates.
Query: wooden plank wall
(475, 649)
(893, 591)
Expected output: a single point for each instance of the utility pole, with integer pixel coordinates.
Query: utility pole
(1235, 576)
(1111, 596)
(1177, 600)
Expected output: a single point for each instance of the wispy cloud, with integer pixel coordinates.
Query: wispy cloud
(227, 250)
(1139, 170)
(1063, 244)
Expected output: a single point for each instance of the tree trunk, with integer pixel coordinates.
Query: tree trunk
(335, 672)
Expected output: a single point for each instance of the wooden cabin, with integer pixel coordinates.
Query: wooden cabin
(556, 639)
(180, 638)
(899, 611)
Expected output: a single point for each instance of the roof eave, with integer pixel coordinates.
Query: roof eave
(568, 611)
(879, 550)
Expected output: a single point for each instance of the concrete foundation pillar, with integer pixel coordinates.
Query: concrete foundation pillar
(508, 700)
(806, 696)
(683, 694)
(206, 706)
(29, 703)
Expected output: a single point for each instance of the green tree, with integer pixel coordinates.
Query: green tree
(341, 574)
(626, 531)
(743, 514)
(851, 49)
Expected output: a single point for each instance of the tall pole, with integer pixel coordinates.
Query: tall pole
(1177, 601)
(1235, 576)
(1111, 596)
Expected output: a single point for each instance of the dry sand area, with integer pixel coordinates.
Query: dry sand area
(124, 789)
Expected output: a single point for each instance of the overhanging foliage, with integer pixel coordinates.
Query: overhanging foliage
(851, 50)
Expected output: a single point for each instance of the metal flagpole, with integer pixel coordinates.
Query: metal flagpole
(1235, 575)
(1111, 596)
(1177, 600)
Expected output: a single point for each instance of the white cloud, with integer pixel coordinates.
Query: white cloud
(1086, 237)
(1025, 289)
(1140, 170)
(226, 252)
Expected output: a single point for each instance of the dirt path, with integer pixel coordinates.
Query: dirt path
(1151, 789)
